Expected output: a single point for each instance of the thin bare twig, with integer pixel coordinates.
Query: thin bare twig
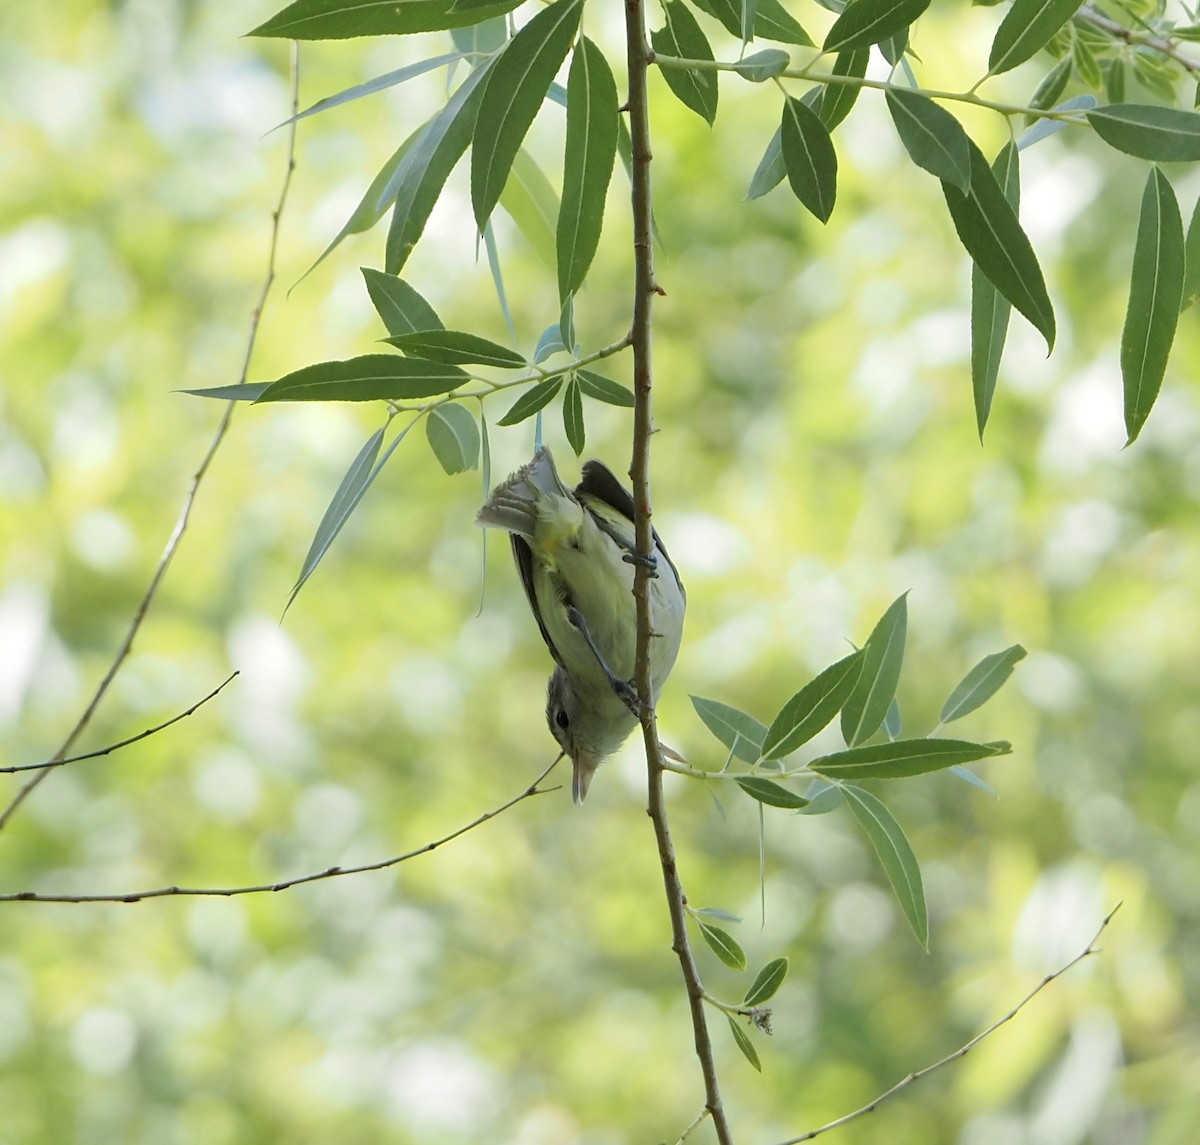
(964, 1049)
(185, 510)
(62, 760)
(645, 287)
(287, 884)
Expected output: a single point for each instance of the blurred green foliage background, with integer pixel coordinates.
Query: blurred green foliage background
(817, 456)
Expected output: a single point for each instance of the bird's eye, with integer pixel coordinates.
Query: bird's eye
(560, 718)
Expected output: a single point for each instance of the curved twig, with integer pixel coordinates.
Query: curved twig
(287, 884)
(185, 509)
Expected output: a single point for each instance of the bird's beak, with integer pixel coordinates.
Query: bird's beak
(581, 779)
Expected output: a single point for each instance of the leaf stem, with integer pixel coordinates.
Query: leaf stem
(645, 288)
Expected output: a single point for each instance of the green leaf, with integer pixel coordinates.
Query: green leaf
(772, 20)
(739, 732)
(760, 66)
(245, 392)
(1191, 259)
(981, 683)
(1026, 29)
(723, 945)
(766, 984)
(1155, 297)
(532, 400)
(354, 484)
(895, 854)
(401, 307)
(457, 348)
(990, 310)
(604, 389)
(891, 722)
(933, 138)
(341, 19)
(1051, 87)
(418, 179)
(717, 912)
(371, 377)
(682, 36)
(1160, 134)
(904, 757)
(744, 1043)
(893, 48)
(573, 416)
(1087, 67)
(1114, 81)
(591, 150)
(838, 98)
(867, 22)
(990, 231)
(516, 87)
(379, 83)
(483, 38)
(532, 203)
(811, 708)
(1158, 75)
(875, 685)
(823, 797)
(809, 158)
(771, 793)
(453, 437)
(1046, 127)
(771, 170)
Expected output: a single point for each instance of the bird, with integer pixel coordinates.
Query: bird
(575, 553)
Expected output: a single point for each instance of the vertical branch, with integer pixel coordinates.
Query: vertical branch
(185, 509)
(645, 287)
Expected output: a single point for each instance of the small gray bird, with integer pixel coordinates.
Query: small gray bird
(575, 552)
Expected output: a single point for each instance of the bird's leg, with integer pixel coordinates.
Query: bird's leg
(623, 689)
(631, 555)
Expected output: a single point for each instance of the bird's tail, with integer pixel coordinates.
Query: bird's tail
(513, 503)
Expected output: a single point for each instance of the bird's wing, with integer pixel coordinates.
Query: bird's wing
(523, 555)
(598, 481)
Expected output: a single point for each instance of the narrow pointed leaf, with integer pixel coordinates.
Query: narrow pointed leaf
(933, 138)
(1052, 85)
(422, 172)
(362, 472)
(895, 855)
(822, 797)
(760, 66)
(532, 203)
(481, 39)
(1160, 134)
(981, 683)
(379, 83)
(904, 757)
(891, 722)
(772, 20)
(590, 153)
(549, 342)
(990, 310)
(771, 793)
(401, 307)
(723, 945)
(737, 730)
(718, 913)
(875, 685)
(809, 158)
(743, 1042)
(246, 392)
(341, 19)
(516, 86)
(532, 400)
(989, 229)
(457, 348)
(682, 36)
(1026, 29)
(1044, 128)
(1191, 260)
(811, 708)
(454, 437)
(838, 98)
(867, 22)
(767, 982)
(1155, 295)
(771, 170)
(967, 776)
(604, 389)
(573, 416)
(368, 378)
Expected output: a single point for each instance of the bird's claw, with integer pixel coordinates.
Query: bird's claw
(627, 694)
(648, 561)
